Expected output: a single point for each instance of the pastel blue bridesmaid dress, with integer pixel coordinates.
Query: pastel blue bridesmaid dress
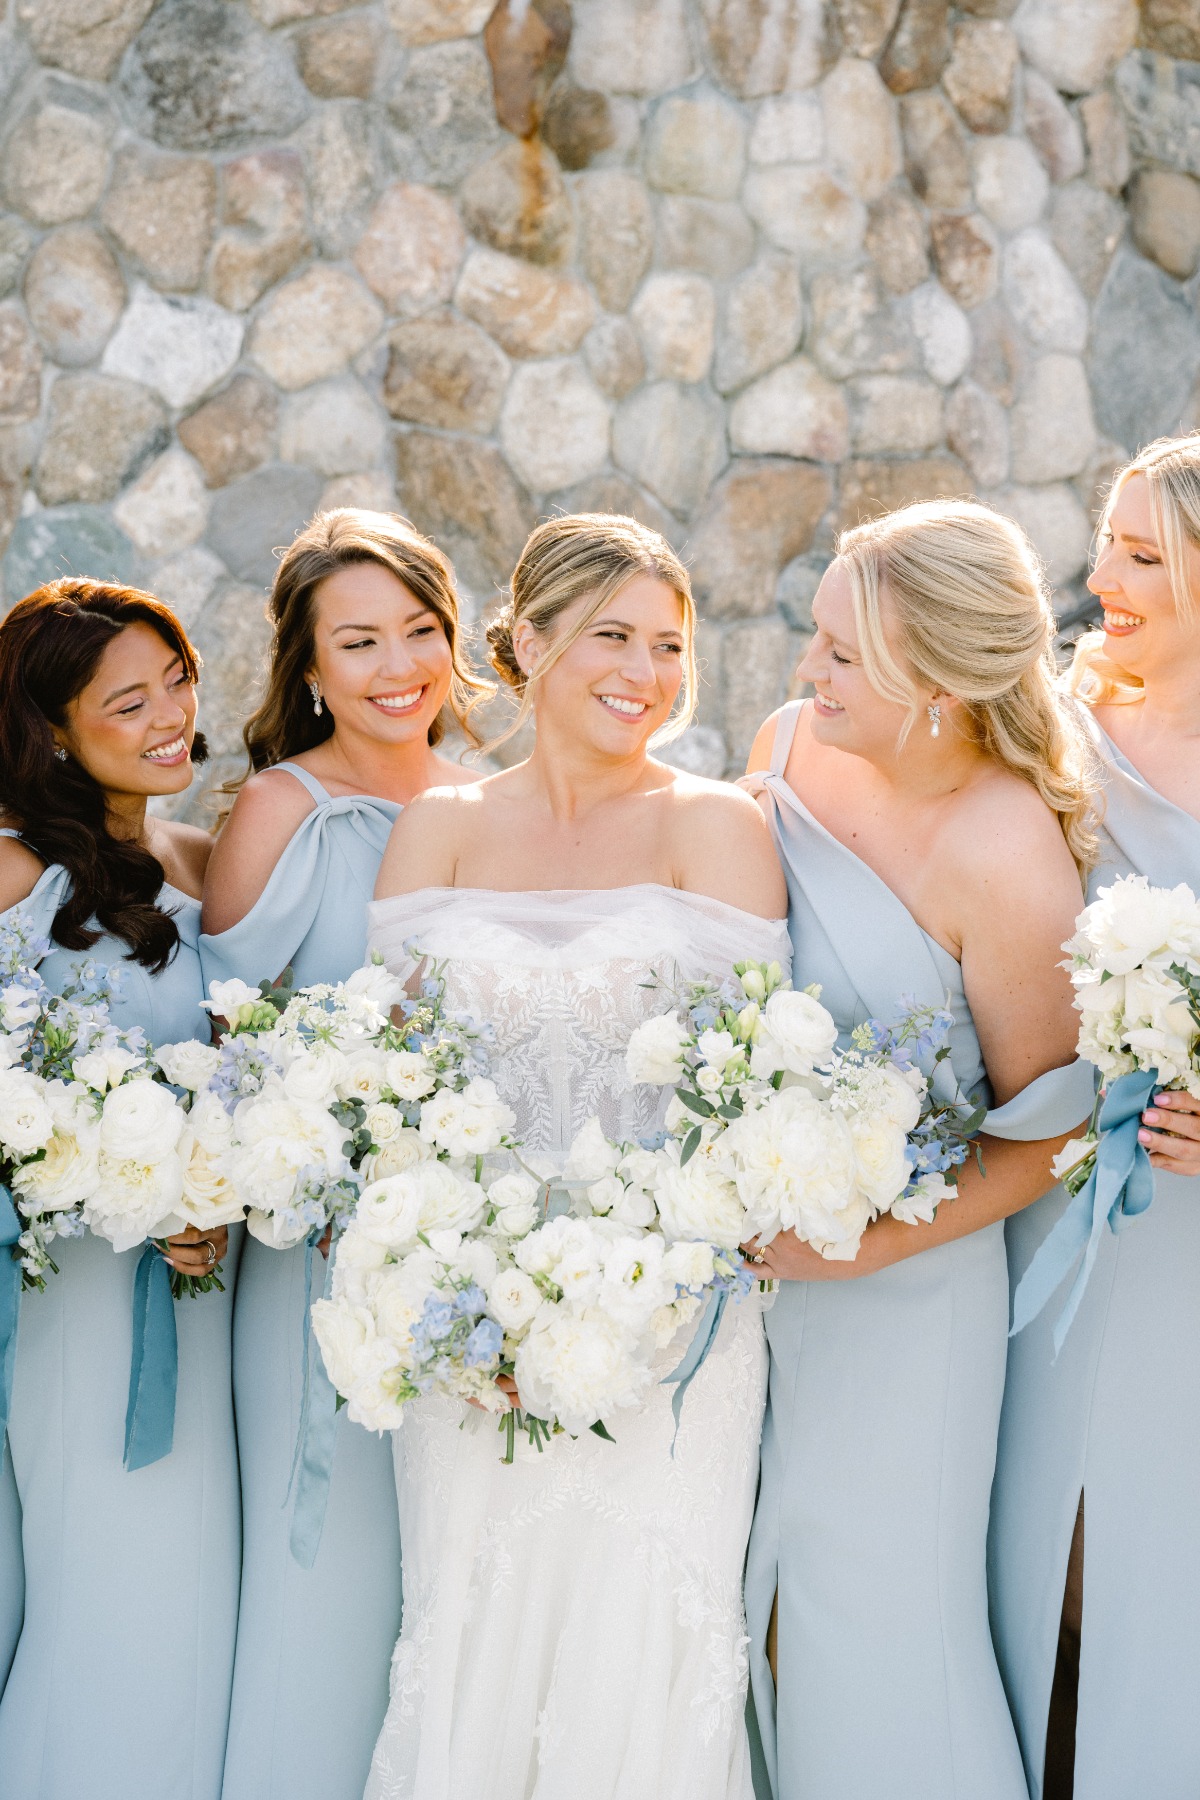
(12, 1564)
(119, 1687)
(880, 1433)
(314, 1644)
(1116, 1418)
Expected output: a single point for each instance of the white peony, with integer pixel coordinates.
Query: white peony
(881, 1158)
(104, 1068)
(409, 1075)
(591, 1156)
(133, 1200)
(26, 1118)
(362, 1365)
(63, 1178)
(799, 1030)
(1133, 923)
(794, 1166)
(188, 1064)
(577, 1368)
(515, 1201)
(698, 1200)
(513, 1300)
(141, 1120)
(316, 1075)
(470, 1123)
(276, 1140)
(655, 1051)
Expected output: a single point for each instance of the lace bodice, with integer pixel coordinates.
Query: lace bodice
(563, 978)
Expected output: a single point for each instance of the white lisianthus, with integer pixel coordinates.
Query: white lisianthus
(882, 1163)
(61, 1179)
(515, 1200)
(634, 1208)
(577, 1368)
(634, 1284)
(699, 1201)
(135, 1199)
(513, 1301)
(920, 1208)
(104, 1068)
(408, 1074)
(141, 1120)
(655, 1051)
(606, 1193)
(232, 1001)
(639, 1167)
(591, 1156)
(12, 1048)
(316, 1075)
(799, 1030)
(276, 1140)
(715, 1048)
(188, 1064)
(376, 983)
(669, 1320)
(26, 1118)
(470, 1123)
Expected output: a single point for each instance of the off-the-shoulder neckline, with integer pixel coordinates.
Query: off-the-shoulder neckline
(629, 887)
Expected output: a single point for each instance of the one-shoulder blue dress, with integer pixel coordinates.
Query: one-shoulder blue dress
(120, 1683)
(1116, 1419)
(314, 1645)
(884, 1402)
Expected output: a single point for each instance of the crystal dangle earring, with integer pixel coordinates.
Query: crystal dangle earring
(315, 690)
(935, 718)
(60, 754)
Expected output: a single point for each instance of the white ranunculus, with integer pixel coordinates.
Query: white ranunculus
(384, 1122)
(133, 1200)
(278, 1230)
(591, 1156)
(515, 1200)
(699, 1201)
(513, 1300)
(799, 1029)
(104, 1068)
(470, 1123)
(376, 983)
(715, 1048)
(141, 1120)
(26, 1118)
(577, 1368)
(315, 1077)
(210, 1124)
(655, 1051)
(409, 1074)
(188, 1064)
(277, 1139)
(61, 1179)
(881, 1161)
(447, 1201)
(389, 1212)
(895, 1099)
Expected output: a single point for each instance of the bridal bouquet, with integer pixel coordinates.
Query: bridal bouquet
(314, 1093)
(772, 1128)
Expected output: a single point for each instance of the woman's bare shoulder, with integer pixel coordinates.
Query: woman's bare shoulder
(20, 871)
(721, 845)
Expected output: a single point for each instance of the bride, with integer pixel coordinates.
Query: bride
(573, 1623)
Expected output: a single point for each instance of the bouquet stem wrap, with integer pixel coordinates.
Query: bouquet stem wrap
(154, 1366)
(10, 1301)
(312, 1465)
(703, 1339)
(1119, 1188)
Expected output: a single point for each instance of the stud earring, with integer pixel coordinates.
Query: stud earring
(935, 718)
(60, 754)
(315, 690)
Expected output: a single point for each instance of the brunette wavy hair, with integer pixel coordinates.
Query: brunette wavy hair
(285, 723)
(51, 644)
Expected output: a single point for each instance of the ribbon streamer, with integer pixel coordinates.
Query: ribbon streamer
(703, 1339)
(10, 1301)
(312, 1464)
(154, 1366)
(1119, 1188)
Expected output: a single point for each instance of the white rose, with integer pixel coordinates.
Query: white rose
(26, 1119)
(385, 1123)
(316, 1075)
(188, 1064)
(104, 1068)
(699, 1201)
(468, 1124)
(881, 1161)
(514, 1199)
(409, 1074)
(577, 1369)
(133, 1200)
(655, 1051)
(209, 1198)
(363, 1078)
(709, 1080)
(389, 1212)
(800, 1031)
(513, 1299)
(715, 1048)
(61, 1179)
(141, 1120)
(591, 1156)
(689, 1265)
(447, 1202)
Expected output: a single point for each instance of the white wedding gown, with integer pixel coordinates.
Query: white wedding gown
(573, 1623)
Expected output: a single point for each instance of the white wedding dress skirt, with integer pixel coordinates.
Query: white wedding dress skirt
(573, 1623)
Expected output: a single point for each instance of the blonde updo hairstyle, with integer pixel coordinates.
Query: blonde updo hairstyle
(1171, 467)
(950, 595)
(588, 556)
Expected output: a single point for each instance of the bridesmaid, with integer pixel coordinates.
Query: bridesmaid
(120, 1682)
(1113, 1421)
(365, 667)
(911, 800)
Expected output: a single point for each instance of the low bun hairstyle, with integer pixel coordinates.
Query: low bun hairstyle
(285, 723)
(951, 595)
(578, 556)
(51, 644)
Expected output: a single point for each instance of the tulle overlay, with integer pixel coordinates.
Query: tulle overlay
(573, 1624)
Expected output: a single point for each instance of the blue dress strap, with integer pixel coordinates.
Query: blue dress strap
(785, 735)
(43, 900)
(307, 781)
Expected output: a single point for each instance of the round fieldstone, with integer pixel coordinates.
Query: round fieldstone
(1053, 431)
(233, 432)
(69, 540)
(855, 330)
(343, 161)
(253, 518)
(443, 371)
(897, 241)
(84, 37)
(181, 348)
(310, 328)
(442, 103)
(203, 74)
(1086, 225)
(696, 145)
(74, 294)
(967, 256)
(517, 202)
(675, 318)
(554, 426)
(899, 413)
(335, 428)
(57, 156)
(806, 212)
(709, 237)
(862, 136)
(1165, 215)
(672, 440)
(412, 248)
(788, 128)
(935, 151)
(15, 244)
(614, 356)
(166, 508)
(162, 212)
(463, 493)
(339, 57)
(1041, 294)
(1011, 184)
(99, 432)
(762, 319)
(793, 411)
(761, 514)
(627, 47)
(529, 311)
(979, 76)
(977, 430)
(1076, 43)
(773, 46)
(428, 21)
(20, 367)
(265, 233)
(942, 331)
(618, 234)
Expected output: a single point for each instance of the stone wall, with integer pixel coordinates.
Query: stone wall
(746, 268)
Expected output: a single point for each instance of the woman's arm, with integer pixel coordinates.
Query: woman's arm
(258, 830)
(723, 849)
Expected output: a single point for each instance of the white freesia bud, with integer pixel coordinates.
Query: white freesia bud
(753, 985)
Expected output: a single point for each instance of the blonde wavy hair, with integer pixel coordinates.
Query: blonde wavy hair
(950, 595)
(1172, 470)
(592, 556)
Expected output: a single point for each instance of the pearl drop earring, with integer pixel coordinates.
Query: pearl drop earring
(935, 718)
(315, 690)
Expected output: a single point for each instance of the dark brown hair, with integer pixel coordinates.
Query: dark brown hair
(51, 644)
(285, 723)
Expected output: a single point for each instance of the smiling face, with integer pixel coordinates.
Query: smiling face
(131, 727)
(847, 711)
(615, 685)
(1143, 630)
(383, 661)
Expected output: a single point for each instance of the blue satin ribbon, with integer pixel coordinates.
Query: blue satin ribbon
(705, 1336)
(154, 1366)
(1119, 1188)
(10, 1301)
(312, 1464)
